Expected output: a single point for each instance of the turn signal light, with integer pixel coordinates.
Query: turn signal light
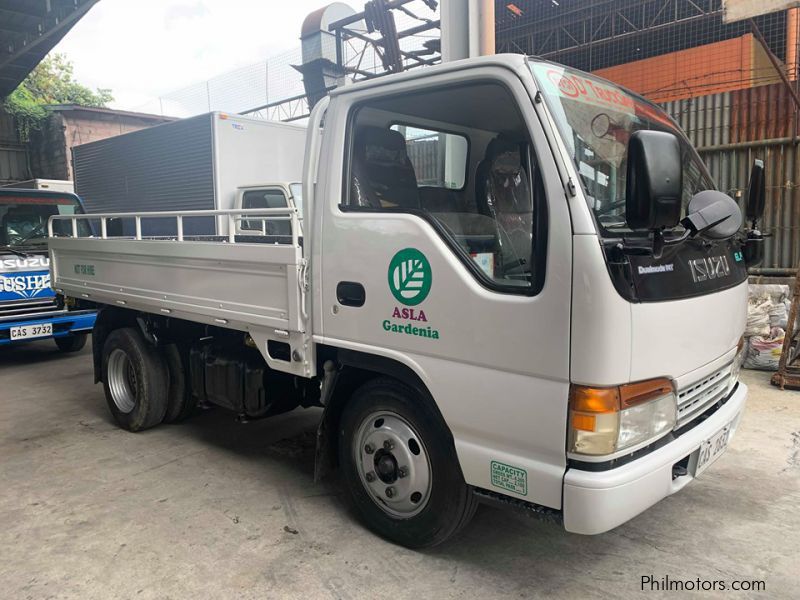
(605, 420)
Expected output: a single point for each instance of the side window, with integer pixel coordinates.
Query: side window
(461, 158)
(266, 199)
(439, 158)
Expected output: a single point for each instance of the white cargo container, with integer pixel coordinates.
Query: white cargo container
(201, 163)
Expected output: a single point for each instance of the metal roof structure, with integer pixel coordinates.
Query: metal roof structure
(29, 29)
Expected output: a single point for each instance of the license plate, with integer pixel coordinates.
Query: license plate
(711, 449)
(27, 332)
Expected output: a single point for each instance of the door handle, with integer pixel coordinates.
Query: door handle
(351, 293)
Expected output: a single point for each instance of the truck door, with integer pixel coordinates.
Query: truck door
(446, 246)
(264, 197)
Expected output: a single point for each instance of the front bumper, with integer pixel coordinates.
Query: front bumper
(64, 324)
(595, 502)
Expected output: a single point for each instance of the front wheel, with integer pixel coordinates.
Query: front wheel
(400, 467)
(71, 343)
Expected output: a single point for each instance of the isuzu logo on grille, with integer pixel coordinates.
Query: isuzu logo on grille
(712, 267)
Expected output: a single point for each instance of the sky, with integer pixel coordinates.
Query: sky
(143, 49)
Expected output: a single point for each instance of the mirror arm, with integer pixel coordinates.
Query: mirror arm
(660, 242)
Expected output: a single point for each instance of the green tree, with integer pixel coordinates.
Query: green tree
(51, 82)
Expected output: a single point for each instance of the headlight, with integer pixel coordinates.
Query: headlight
(607, 420)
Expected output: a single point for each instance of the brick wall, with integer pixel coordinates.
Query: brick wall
(51, 147)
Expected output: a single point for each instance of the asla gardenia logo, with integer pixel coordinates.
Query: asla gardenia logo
(410, 277)
(410, 281)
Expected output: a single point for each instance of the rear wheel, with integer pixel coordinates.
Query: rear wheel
(180, 403)
(71, 343)
(135, 380)
(400, 467)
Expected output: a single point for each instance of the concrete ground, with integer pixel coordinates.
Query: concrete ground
(215, 509)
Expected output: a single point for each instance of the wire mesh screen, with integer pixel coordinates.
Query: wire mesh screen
(239, 90)
(663, 49)
(273, 88)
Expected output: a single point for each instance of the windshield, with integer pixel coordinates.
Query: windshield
(596, 120)
(23, 218)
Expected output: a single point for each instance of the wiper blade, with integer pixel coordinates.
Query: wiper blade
(14, 251)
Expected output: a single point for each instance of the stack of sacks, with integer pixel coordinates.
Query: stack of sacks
(767, 316)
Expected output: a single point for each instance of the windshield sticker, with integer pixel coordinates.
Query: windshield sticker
(581, 88)
(575, 86)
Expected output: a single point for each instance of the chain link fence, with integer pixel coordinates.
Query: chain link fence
(276, 87)
(663, 49)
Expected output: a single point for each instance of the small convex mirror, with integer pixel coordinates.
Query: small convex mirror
(713, 215)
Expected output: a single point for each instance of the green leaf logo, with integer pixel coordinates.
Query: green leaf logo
(410, 277)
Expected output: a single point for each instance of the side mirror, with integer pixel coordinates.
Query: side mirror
(753, 249)
(756, 193)
(654, 181)
(755, 203)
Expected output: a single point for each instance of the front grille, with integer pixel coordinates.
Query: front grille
(693, 400)
(27, 307)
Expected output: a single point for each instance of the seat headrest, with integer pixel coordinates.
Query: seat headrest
(504, 156)
(376, 145)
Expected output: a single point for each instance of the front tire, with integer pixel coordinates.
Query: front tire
(135, 380)
(71, 343)
(400, 467)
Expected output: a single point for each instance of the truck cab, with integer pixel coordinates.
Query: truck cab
(269, 195)
(517, 284)
(29, 308)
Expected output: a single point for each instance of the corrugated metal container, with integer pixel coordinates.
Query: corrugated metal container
(193, 164)
(168, 167)
(731, 130)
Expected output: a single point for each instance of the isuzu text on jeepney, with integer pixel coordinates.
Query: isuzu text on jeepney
(515, 283)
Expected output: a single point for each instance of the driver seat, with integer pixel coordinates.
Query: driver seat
(383, 176)
(504, 193)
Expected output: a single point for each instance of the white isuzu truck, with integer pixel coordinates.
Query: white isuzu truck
(516, 283)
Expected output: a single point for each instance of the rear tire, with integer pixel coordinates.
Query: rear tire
(180, 403)
(135, 380)
(71, 343)
(400, 468)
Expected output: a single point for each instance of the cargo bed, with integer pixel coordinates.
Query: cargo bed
(251, 283)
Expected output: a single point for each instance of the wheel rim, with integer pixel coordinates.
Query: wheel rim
(393, 464)
(122, 381)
